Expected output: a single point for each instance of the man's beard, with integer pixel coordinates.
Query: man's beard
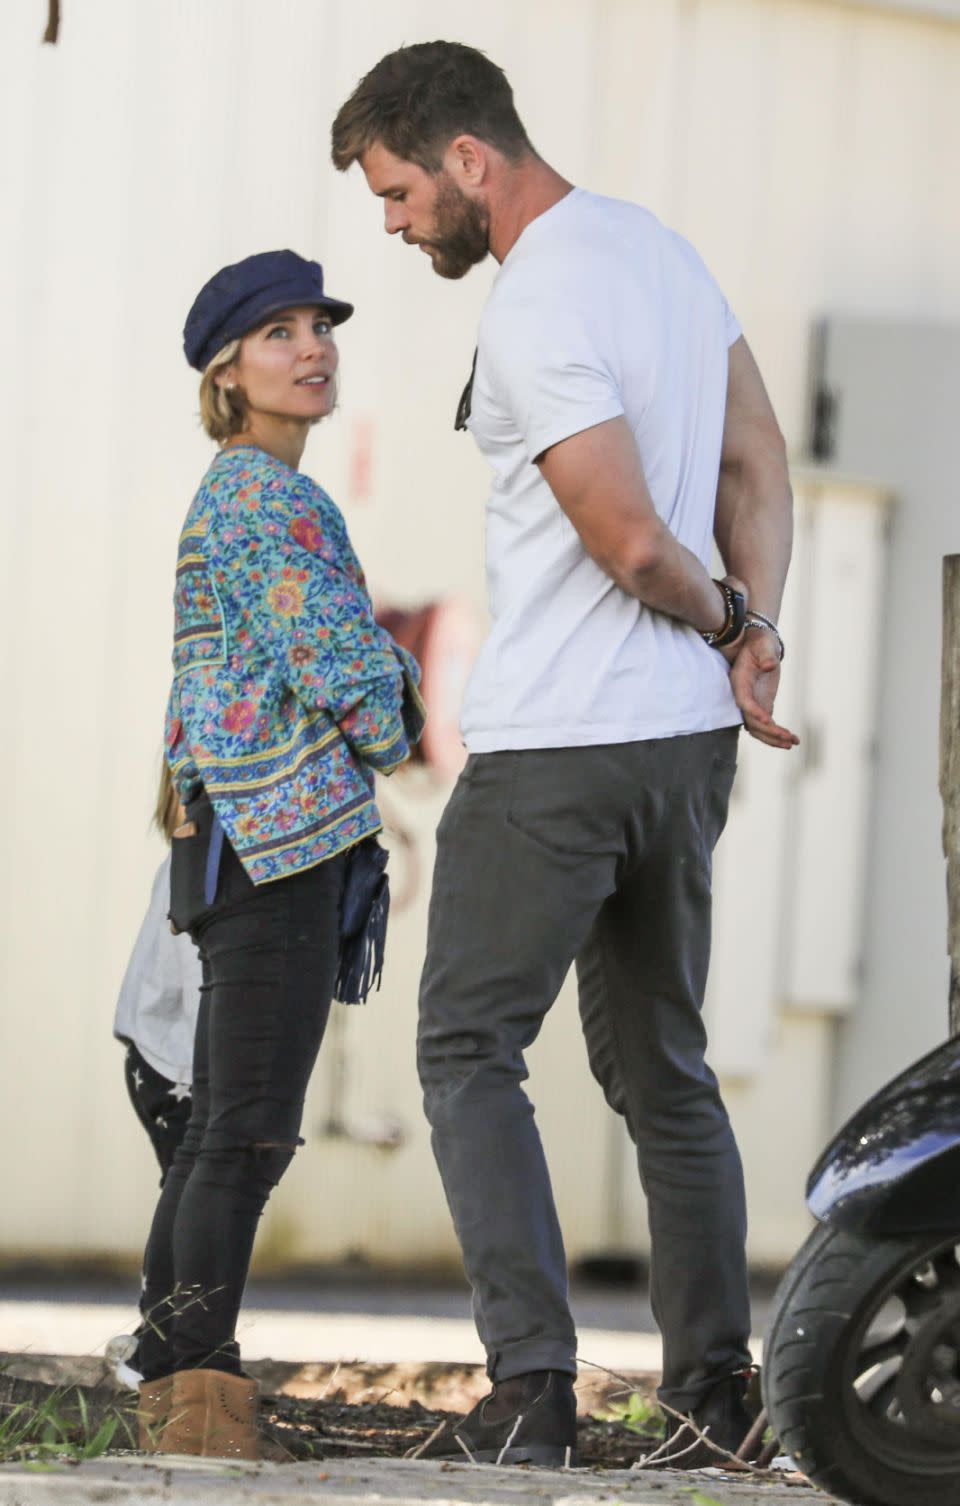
(461, 231)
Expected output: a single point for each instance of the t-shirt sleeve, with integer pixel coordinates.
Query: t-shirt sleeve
(732, 324)
(544, 364)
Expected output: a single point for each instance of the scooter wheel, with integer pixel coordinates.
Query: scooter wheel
(861, 1366)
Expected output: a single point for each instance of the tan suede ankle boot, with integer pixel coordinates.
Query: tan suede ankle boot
(153, 1410)
(212, 1414)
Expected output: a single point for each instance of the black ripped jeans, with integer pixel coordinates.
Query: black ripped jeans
(269, 966)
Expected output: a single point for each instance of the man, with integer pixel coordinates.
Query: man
(627, 425)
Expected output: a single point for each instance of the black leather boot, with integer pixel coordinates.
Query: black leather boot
(722, 1416)
(528, 1419)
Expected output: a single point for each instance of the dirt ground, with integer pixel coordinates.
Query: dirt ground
(329, 1426)
(304, 1427)
(324, 1429)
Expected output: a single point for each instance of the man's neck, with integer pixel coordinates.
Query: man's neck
(524, 193)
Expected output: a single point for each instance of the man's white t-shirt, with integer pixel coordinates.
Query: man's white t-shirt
(597, 311)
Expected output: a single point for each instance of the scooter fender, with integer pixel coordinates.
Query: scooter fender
(894, 1168)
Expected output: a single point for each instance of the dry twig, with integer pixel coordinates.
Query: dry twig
(768, 1453)
(754, 1438)
(414, 1453)
(327, 1441)
(734, 1462)
(660, 1455)
(382, 1398)
(330, 1380)
(464, 1447)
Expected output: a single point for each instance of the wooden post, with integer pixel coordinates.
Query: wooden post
(950, 770)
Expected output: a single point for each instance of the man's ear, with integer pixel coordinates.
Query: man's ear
(467, 160)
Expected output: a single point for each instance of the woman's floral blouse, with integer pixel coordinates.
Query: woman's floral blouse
(286, 694)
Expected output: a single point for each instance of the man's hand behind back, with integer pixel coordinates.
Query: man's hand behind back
(753, 527)
(754, 680)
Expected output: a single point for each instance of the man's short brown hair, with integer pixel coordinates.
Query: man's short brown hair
(416, 100)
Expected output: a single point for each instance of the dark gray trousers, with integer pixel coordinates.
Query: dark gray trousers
(599, 856)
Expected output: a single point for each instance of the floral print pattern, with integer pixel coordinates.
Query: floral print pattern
(287, 695)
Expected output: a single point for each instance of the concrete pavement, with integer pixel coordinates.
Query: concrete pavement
(329, 1319)
(394, 1332)
(55, 1327)
(135, 1481)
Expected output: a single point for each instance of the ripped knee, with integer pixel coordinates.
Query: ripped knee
(271, 1159)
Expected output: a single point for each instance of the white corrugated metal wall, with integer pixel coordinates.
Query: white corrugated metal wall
(806, 148)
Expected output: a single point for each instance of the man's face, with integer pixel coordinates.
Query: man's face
(429, 211)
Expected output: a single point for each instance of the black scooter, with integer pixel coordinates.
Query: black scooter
(861, 1370)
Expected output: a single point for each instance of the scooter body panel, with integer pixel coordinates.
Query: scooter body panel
(894, 1168)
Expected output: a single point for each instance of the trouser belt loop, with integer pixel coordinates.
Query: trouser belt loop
(214, 853)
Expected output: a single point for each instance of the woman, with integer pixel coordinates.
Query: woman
(286, 697)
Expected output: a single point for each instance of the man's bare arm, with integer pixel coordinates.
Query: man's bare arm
(753, 527)
(597, 478)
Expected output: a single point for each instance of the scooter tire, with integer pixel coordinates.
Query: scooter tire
(834, 1284)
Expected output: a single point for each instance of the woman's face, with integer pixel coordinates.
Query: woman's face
(287, 367)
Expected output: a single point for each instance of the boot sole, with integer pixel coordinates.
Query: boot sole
(546, 1455)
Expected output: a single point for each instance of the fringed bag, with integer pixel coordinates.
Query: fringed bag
(363, 923)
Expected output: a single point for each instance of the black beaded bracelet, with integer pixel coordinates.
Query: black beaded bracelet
(733, 623)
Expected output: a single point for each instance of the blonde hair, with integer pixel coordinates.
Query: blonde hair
(168, 812)
(222, 413)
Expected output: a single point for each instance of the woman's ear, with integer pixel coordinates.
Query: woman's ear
(226, 379)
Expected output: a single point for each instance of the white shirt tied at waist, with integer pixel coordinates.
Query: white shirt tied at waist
(160, 993)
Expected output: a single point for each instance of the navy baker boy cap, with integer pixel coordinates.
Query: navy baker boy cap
(238, 298)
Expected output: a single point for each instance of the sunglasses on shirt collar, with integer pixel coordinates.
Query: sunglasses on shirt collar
(465, 405)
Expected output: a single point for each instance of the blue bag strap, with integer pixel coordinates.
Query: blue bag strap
(214, 852)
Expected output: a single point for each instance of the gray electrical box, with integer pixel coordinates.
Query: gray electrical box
(886, 406)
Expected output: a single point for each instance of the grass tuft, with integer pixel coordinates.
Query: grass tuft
(60, 1426)
(638, 1414)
